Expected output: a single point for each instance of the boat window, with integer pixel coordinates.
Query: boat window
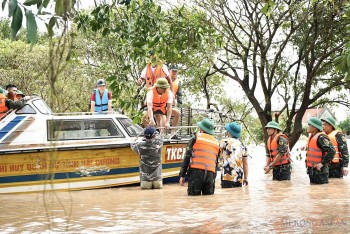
(26, 109)
(82, 129)
(42, 107)
(132, 129)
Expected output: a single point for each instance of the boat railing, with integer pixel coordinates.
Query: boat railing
(190, 116)
(84, 113)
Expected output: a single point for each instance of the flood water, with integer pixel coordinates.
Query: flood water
(265, 206)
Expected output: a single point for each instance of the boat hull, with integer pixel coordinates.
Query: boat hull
(77, 169)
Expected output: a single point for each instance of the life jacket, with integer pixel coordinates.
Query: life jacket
(160, 101)
(205, 151)
(272, 145)
(3, 107)
(337, 155)
(314, 153)
(176, 86)
(101, 104)
(152, 76)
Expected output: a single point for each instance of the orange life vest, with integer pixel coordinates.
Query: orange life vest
(152, 76)
(314, 153)
(337, 155)
(175, 89)
(160, 101)
(205, 151)
(176, 86)
(3, 107)
(272, 145)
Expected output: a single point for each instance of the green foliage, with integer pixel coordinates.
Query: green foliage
(63, 9)
(120, 38)
(345, 126)
(29, 71)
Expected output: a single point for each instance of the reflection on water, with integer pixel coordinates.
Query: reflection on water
(265, 206)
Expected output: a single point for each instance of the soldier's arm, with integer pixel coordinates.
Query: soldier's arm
(343, 148)
(281, 150)
(15, 104)
(179, 94)
(187, 157)
(325, 144)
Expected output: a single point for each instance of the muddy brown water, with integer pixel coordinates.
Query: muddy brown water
(265, 206)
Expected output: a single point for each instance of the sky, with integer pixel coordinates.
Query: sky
(232, 89)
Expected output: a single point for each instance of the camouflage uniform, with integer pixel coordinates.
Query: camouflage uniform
(336, 169)
(282, 172)
(321, 177)
(200, 181)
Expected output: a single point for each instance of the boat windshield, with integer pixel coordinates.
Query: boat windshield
(132, 129)
(42, 106)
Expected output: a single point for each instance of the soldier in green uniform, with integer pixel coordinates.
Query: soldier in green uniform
(201, 160)
(278, 157)
(339, 165)
(319, 154)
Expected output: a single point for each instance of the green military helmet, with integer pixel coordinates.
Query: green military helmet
(207, 126)
(330, 120)
(273, 124)
(19, 92)
(234, 129)
(317, 123)
(162, 83)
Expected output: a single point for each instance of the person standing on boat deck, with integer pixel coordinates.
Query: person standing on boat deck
(150, 152)
(19, 95)
(319, 154)
(154, 70)
(12, 91)
(101, 98)
(177, 86)
(159, 104)
(7, 104)
(177, 91)
(201, 160)
(278, 158)
(234, 169)
(339, 165)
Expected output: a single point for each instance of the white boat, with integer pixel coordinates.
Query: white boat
(42, 151)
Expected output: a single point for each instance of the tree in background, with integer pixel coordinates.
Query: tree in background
(286, 55)
(120, 37)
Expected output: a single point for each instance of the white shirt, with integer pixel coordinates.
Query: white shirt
(164, 67)
(149, 97)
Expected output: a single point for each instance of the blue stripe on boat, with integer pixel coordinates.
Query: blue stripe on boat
(10, 125)
(67, 175)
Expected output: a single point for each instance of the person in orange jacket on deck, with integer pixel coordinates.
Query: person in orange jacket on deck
(159, 104)
(177, 91)
(154, 70)
(7, 104)
(339, 165)
(12, 91)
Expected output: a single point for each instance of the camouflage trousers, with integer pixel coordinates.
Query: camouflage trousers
(200, 183)
(282, 172)
(335, 170)
(318, 177)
